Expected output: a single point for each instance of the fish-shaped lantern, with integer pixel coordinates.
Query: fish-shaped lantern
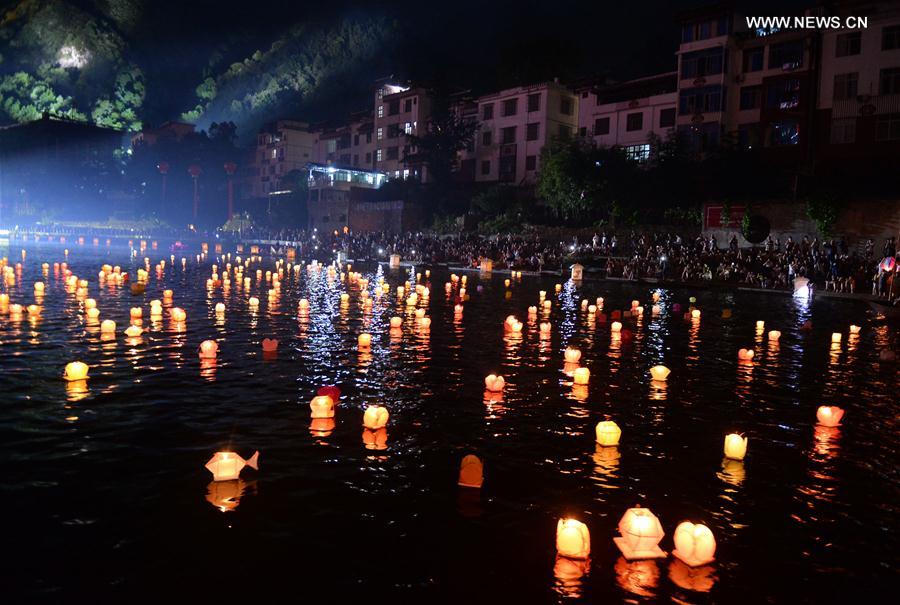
(228, 465)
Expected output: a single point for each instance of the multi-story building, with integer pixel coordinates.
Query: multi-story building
(349, 145)
(515, 124)
(281, 147)
(400, 111)
(630, 115)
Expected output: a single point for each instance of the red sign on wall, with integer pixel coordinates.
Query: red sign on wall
(714, 217)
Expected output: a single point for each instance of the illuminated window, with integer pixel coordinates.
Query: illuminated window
(378, 155)
(785, 133)
(274, 153)
(380, 134)
(638, 153)
(408, 128)
(381, 111)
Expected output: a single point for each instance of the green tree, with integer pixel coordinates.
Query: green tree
(438, 148)
(824, 208)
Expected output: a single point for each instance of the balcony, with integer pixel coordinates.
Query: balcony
(865, 105)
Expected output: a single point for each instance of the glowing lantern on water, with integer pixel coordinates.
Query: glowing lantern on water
(209, 349)
(90, 303)
(471, 472)
(735, 447)
(321, 406)
(572, 355)
(608, 433)
(581, 376)
(545, 328)
(253, 302)
(167, 294)
(177, 314)
(616, 326)
(425, 322)
(133, 331)
(364, 340)
(573, 540)
(303, 305)
(458, 309)
(220, 308)
(836, 337)
(269, 345)
(854, 329)
(829, 415)
(532, 310)
(695, 545)
(76, 370)
(396, 322)
(93, 313)
(659, 372)
(136, 313)
(107, 326)
(655, 309)
(548, 304)
(774, 335)
(695, 314)
(375, 418)
(640, 533)
(759, 326)
(494, 383)
(38, 287)
(226, 466)
(592, 309)
(745, 354)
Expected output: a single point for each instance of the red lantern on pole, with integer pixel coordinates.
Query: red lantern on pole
(195, 172)
(230, 168)
(163, 168)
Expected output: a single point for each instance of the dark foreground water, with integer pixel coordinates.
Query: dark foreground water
(106, 499)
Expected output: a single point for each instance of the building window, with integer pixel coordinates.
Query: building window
(485, 167)
(848, 44)
(487, 111)
(356, 140)
(368, 157)
(699, 100)
(394, 107)
(532, 131)
(748, 136)
(510, 107)
(508, 135)
(408, 128)
(378, 156)
(530, 162)
(601, 126)
(407, 105)
(356, 159)
(534, 102)
(702, 63)
(784, 133)
(634, 121)
(638, 153)
(890, 81)
(845, 86)
(667, 117)
(565, 106)
(564, 131)
(487, 138)
(393, 131)
(887, 127)
(784, 94)
(274, 154)
(368, 137)
(381, 111)
(890, 38)
(787, 55)
(393, 153)
(751, 96)
(843, 131)
(753, 59)
(379, 134)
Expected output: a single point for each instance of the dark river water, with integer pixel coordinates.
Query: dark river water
(106, 499)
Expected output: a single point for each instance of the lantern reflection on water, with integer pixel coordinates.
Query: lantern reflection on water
(696, 579)
(640, 533)
(226, 495)
(581, 376)
(569, 574)
(637, 577)
(573, 540)
(694, 544)
(375, 439)
(321, 427)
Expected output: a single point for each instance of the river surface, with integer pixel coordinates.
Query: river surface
(106, 499)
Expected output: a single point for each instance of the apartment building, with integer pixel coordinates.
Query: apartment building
(400, 111)
(281, 147)
(630, 115)
(515, 124)
(349, 145)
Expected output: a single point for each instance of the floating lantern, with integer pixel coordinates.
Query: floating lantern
(253, 302)
(774, 335)
(581, 376)
(640, 533)
(396, 322)
(532, 310)
(93, 313)
(829, 415)
(303, 305)
(220, 308)
(854, 329)
(364, 340)
(136, 313)
(375, 417)
(726, 313)
(745, 354)
(760, 325)
(133, 331)
(425, 322)
(107, 326)
(548, 304)
(615, 327)
(38, 287)
(836, 337)
(209, 349)
(494, 383)
(471, 472)
(608, 433)
(571, 355)
(735, 447)
(269, 345)
(226, 466)
(90, 303)
(695, 544)
(177, 314)
(322, 406)
(659, 372)
(592, 309)
(573, 540)
(458, 309)
(655, 309)
(695, 314)
(545, 328)
(167, 294)
(76, 370)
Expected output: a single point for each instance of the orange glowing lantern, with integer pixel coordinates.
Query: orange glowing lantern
(220, 308)
(615, 327)
(745, 354)
(659, 372)
(322, 406)
(209, 349)
(774, 335)
(90, 303)
(375, 417)
(854, 329)
(107, 326)
(735, 447)
(76, 370)
(608, 433)
(38, 287)
(695, 314)
(167, 294)
(471, 472)
(695, 545)
(572, 355)
(829, 415)
(640, 533)
(836, 337)
(269, 345)
(136, 313)
(93, 313)
(226, 466)
(760, 325)
(177, 314)
(573, 540)
(494, 383)
(133, 331)
(253, 302)
(581, 376)
(545, 328)
(364, 340)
